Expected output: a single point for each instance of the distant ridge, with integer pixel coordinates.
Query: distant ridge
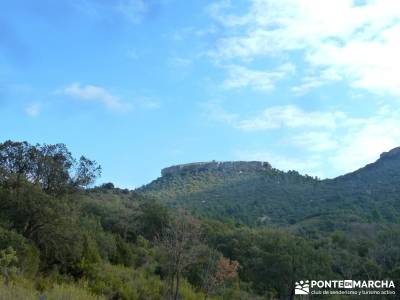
(255, 193)
(385, 170)
(217, 165)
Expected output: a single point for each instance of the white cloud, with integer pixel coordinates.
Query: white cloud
(329, 41)
(93, 93)
(32, 110)
(330, 143)
(363, 144)
(241, 77)
(313, 81)
(97, 94)
(308, 84)
(355, 142)
(359, 43)
(315, 141)
(307, 166)
(331, 153)
(277, 117)
(214, 111)
(290, 116)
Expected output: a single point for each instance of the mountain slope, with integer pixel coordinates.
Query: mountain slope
(257, 194)
(382, 174)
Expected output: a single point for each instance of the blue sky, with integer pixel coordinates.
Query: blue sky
(140, 85)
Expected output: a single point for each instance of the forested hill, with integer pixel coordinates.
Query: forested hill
(257, 194)
(61, 238)
(385, 171)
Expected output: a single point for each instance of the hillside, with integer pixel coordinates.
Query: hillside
(61, 239)
(257, 194)
(384, 174)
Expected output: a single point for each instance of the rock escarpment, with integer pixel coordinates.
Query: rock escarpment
(227, 166)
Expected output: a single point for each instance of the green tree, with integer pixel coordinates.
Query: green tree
(52, 167)
(8, 263)
(178, 243)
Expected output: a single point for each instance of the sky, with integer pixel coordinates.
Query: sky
(139, 85)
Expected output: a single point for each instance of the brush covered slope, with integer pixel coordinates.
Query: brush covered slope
(254, 193)
(60, 239)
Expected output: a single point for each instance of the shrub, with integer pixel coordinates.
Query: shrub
(28, 255)
(71, 292)
(119, 282)
(17, 292)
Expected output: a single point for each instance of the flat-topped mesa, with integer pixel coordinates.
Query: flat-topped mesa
(218, 166)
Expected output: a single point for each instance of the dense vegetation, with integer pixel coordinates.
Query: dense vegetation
(60, 239)
(271, 197)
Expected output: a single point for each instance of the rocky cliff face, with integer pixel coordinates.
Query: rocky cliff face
(217, 166)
